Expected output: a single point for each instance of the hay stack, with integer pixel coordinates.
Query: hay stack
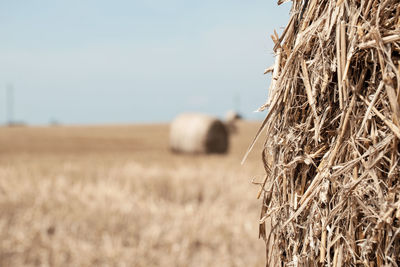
(331, 154)
(198, 133)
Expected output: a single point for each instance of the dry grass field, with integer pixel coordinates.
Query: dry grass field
(115, 196)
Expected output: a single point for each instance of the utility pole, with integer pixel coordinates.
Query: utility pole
(10, 104)
(236, 102)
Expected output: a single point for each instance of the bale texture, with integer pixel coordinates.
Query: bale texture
(198, 133)
(331, 154)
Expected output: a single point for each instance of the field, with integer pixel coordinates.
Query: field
(116, 196)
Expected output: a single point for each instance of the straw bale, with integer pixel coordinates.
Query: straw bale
(231, 119)
(331, 154)
(198, 133)
(232, 115)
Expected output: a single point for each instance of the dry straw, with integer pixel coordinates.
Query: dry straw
(331, 154)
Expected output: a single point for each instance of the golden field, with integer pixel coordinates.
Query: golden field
(116, 196)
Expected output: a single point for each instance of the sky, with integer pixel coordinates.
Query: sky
(128, 61)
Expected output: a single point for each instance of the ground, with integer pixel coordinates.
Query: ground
(116, 196)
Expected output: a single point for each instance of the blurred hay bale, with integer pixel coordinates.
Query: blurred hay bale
(232, 115)
(198, 133)
(331, 154)
(231, 119)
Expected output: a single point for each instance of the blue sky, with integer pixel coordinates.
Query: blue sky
(120, 61)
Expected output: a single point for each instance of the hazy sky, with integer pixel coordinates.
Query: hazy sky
(124, 61)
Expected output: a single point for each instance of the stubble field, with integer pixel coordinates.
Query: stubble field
(116, 196)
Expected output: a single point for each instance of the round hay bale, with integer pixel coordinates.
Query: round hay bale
(232, 115)
(231, 118)
(331, 194)
(198, 133)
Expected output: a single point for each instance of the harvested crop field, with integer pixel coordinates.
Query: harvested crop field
(116, 196)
